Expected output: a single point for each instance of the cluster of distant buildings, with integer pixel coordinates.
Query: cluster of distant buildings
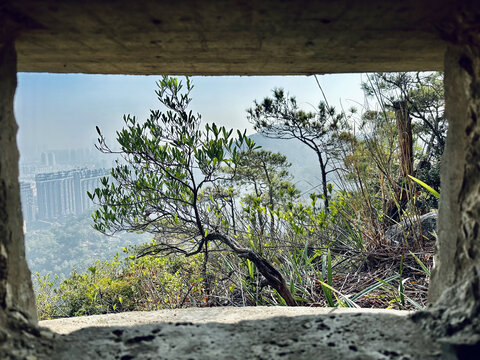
(58, 194)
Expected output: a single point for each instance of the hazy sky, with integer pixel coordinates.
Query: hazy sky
(57, 111)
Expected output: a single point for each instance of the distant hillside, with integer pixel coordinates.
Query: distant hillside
(305, 168)
(73, 244)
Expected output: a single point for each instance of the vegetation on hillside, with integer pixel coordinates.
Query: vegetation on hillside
(72, 244)
(229, 227)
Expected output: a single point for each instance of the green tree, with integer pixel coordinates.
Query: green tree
(422, 96)
(168, 162)
(371, 166)
(266, 175)
(280, 118)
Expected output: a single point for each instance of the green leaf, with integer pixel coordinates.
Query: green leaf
(347, 302)
(429, 188)
(422, 265)
(375, 286)
(327, 273)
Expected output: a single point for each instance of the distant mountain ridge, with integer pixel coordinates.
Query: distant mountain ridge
(305, 169)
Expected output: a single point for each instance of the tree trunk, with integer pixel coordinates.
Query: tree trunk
(273, 277)
(206, 277)
(232, 208)
(323, 169)
(405, 139)
(405, 142)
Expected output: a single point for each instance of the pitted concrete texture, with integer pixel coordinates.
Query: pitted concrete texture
(455, 281)
(16, 294)
(227, 315)
(247, 333)
(230, 37)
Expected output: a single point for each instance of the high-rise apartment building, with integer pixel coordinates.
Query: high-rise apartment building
(55, 195)
(86, 180)
(65, 193)
(29, 204)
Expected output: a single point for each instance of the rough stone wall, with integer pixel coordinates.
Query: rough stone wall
(458, 253)
(455, 285)
(452, 176)
(16, 294)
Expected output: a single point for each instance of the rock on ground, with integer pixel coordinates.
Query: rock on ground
(408, 231)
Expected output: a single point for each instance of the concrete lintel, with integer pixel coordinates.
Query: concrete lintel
(230, 37)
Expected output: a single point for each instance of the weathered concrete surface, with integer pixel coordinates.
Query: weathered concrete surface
(227, 315)
(16, 294)
(17, 302)
(458, 257)
(249, 333)
(459, 215)
(230, 37)
(455, 284)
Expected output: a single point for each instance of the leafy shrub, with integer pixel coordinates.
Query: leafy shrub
(148, 283)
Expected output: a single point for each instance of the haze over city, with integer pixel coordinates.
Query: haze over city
(57, 111)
